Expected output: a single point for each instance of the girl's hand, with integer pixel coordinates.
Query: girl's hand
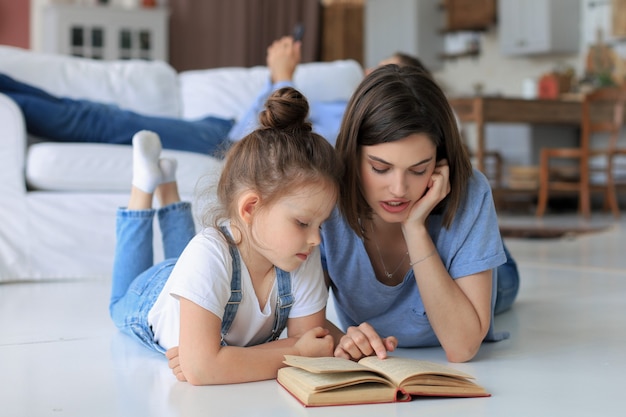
(174, 363)
(362, 341)
(315, 342)
(438, 188)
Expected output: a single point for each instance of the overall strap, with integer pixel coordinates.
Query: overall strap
(235, 291)
(283, 304)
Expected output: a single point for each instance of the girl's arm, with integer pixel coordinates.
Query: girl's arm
(203, 361)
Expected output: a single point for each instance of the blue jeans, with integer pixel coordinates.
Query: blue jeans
(508, 284)
(137, 281)
(68, 120)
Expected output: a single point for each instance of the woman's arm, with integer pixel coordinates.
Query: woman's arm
(203, 361)
(459, 310)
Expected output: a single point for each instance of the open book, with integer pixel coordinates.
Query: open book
(336, 381)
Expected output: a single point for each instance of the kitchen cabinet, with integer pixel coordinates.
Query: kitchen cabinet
(106, 32)
(462, 15)
(528, 27)
(408, 26)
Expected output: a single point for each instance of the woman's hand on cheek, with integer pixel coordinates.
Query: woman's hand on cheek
(438, 188)
(441, 179)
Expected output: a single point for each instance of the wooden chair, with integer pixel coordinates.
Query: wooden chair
(602, 112)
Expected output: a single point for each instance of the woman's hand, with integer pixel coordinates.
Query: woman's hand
(363, 341)
(438, 188)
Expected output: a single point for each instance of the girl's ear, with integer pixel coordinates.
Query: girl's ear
(248, 204)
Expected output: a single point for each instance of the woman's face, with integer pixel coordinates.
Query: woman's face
(395, 175)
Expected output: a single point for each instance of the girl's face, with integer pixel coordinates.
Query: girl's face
(395, 175)
(288, 231)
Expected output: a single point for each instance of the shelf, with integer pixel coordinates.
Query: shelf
(466, 54)
(448, 31)
(106, 32)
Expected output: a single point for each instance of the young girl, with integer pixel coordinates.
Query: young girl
(226, 298)
(411, 254)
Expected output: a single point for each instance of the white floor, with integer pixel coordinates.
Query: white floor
(61, 356)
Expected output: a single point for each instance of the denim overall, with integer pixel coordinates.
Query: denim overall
(283, 305)
(137, 283)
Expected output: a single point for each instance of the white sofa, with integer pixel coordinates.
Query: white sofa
(58, 200)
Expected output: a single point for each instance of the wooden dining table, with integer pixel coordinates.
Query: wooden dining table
(482, 110)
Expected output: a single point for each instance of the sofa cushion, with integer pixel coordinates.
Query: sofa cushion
(237, 87)
(92, 167)
(149, 87)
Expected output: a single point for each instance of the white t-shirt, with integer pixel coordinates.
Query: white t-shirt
(203, 274)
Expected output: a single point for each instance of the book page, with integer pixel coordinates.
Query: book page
(399, 369)
(324, 364)
(471, 390)
(298, 382)
(326, 381)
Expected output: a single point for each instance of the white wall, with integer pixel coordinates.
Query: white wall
(504, 75)
(498, 74)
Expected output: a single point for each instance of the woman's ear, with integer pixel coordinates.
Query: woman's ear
(248, 203)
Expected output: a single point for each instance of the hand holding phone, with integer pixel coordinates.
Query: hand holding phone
(298, 32)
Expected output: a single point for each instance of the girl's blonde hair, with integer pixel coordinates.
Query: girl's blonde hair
(277, 159)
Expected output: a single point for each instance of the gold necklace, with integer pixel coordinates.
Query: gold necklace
(380, 255)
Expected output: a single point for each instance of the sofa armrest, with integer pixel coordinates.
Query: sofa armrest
(14, 241)
(12, 147)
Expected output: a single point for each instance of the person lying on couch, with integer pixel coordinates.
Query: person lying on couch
(283, 56)
(70, 120)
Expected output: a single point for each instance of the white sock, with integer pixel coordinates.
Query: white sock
(168, 169)
(147, 174)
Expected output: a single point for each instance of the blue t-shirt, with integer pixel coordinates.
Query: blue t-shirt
(325, 116)
(472, 244)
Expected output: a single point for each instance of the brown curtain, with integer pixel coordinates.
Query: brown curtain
(342, 31)
(219, 33)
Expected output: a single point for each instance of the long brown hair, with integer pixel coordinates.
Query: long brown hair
(276, 159)
(391, 103)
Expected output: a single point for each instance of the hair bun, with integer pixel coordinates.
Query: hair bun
(286, 109)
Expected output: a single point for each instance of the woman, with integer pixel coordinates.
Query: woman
(410, 254)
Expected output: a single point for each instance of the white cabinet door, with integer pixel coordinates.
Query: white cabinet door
(408, 26)
(538, 26)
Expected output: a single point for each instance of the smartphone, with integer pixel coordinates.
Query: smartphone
(298, 32)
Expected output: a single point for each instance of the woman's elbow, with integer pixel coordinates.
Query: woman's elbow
(461, 355)
(463, 352)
